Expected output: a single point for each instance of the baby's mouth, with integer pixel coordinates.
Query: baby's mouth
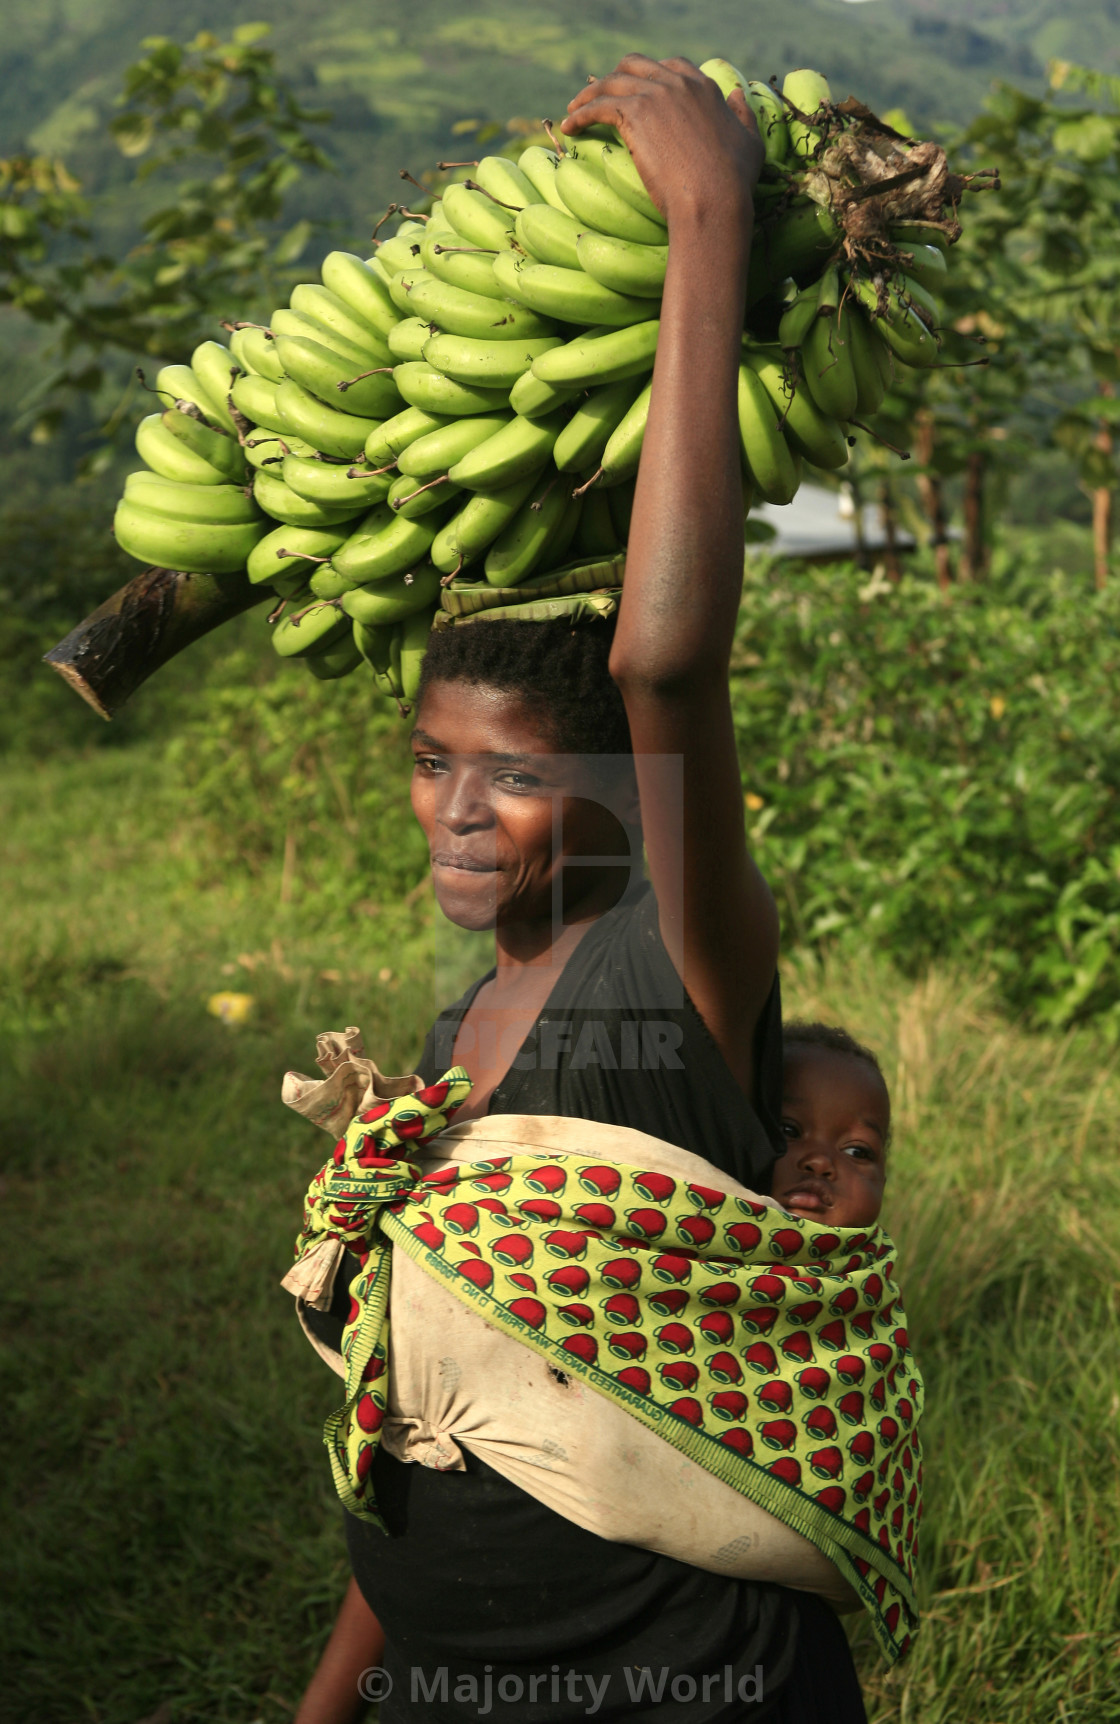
(812, 1196)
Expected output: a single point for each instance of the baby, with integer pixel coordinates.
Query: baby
(836, 1116)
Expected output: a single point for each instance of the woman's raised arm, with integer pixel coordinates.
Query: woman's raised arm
(699, 157)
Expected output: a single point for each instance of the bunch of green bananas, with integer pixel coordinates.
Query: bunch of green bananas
(474, 397)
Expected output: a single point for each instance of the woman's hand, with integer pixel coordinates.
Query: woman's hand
(695, 150)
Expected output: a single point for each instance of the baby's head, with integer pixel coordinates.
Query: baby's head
(836, 1116)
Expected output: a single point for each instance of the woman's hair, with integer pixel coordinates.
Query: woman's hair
(801, 1033)
(559, 670)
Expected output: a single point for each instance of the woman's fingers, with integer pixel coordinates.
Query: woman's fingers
(743, 111)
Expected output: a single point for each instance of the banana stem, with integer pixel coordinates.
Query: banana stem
(475, 250)
(301, 556)
(441, 479)
(443, 166)
(404, 174)
(547, 492)
(369, 472)
(557, 143)
(473, 186)
(594, 479)
(391, 211)
(143, 625)
(903, 454)
(378, 371)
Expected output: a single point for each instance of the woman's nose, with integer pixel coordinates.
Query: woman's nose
(464, 806)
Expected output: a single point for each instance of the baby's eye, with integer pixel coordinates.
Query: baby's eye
(860, 1151)
(790, 1128)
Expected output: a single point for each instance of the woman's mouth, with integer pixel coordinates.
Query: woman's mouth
(463, 862)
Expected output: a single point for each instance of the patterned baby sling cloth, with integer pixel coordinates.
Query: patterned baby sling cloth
(769, 1401)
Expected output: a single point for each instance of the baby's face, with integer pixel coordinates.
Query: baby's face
(836, 1116)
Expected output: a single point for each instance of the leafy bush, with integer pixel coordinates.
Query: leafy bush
(938, 777)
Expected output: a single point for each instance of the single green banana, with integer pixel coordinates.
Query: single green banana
(926, 265)
(215, 367)
(392, 600)
(415, 630)
(477, 218)
(385, 544)
(422, 385)
(532, 398)
(624, 447)
(504, 180)
(162, 451)
(921, 233)
(325, 582)
(727, 78)
(518, 449)
(313, 626)
(402, 286)
(254, 352)
(798, 320)
(413, 498)
(332, 486)
(258, 400)
(548, 235)
(477, 524)
(593, 201)
(374, 642)
(334, 314)
(449, 259)
(770, 463)
(539, 167)
(438, 451)
(304, 328)
(770, 115)
(826, 362)
(587, 433)
(808, 92)
(900, 327)
(219, 448)
(624, 179)
(389, 441)
(630, 269)
(325, 428)
(593, 359)
(389, 679)
(337, 660)
(570, 295)
(196, 548)
(921, 301)
(332, 379)
(486, 364)
(355, 283)
(402, 251)
(797, 243)
(458, 312)
(861, 339)
(595, 534)
(179, 383)
(819, 439)
(279, 500)
(301, 544)
(520, 548)
(407, 338)
(230, 504)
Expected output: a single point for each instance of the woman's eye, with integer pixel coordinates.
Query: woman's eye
(429, 763)
(518, 781)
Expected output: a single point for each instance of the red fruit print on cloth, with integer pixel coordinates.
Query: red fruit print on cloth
(769, 1352)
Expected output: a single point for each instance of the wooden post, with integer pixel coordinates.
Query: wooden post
(145, 623)
(932, 494)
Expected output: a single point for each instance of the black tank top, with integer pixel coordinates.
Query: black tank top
(482, 1582)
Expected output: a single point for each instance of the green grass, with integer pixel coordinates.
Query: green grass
(172, 1536)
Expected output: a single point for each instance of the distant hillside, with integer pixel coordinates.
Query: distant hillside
(398, 76)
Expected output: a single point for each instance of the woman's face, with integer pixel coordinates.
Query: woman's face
(507, 817)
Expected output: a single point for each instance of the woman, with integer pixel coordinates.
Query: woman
(652, 1006)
